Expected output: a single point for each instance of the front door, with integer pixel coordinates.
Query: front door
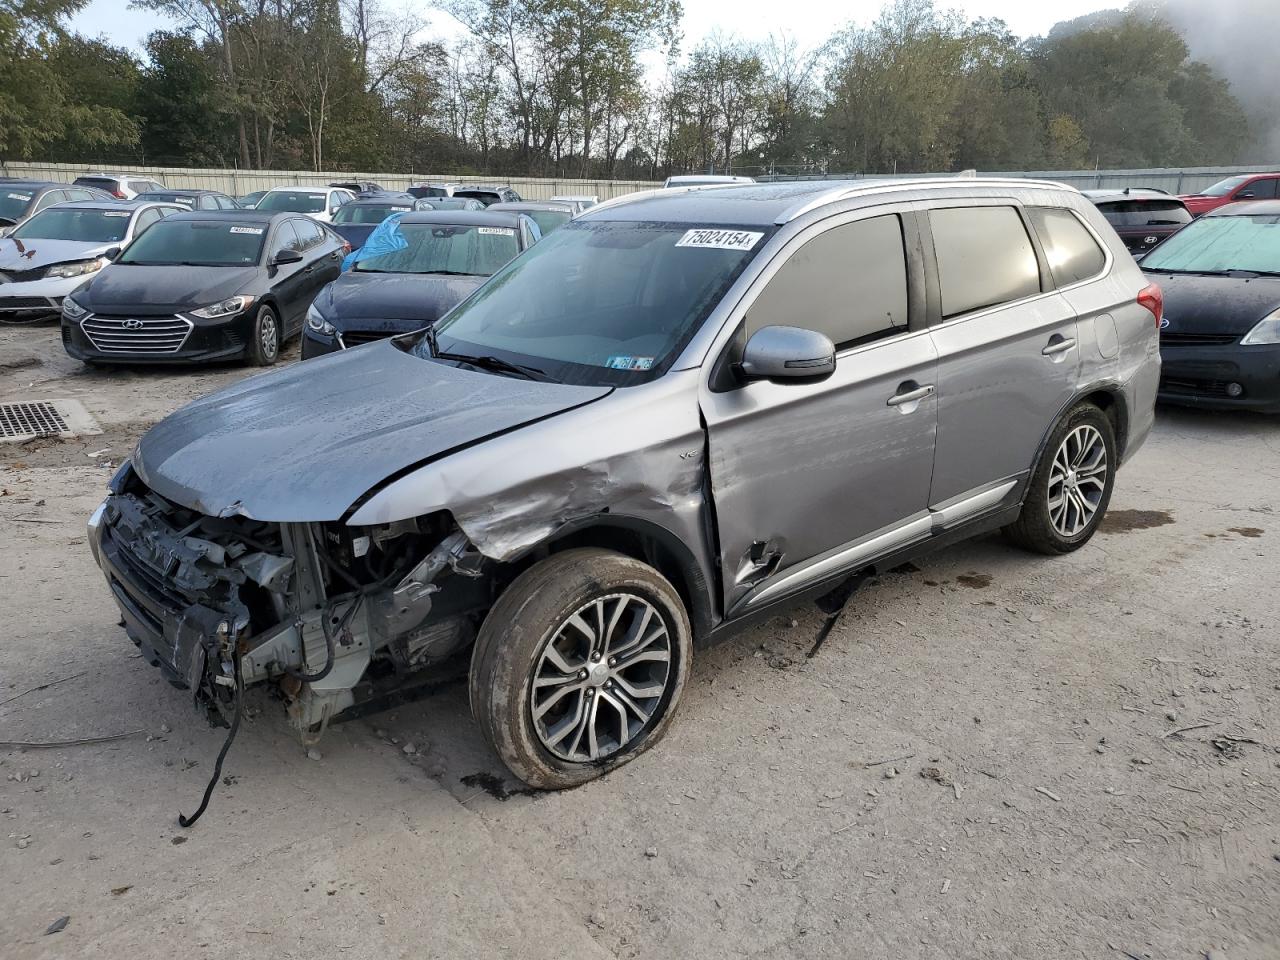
(807, 477)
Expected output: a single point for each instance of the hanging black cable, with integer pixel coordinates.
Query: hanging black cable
(184, 821)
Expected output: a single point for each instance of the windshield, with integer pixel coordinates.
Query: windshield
(443, 248)
(1219, 244)
(601, 302)
(295, 201)
(547, 220)
(1144, 213)
(183, 198)
(369, 212)
(13, 203)
(197, 243)
(1223, 187)
(76, 223)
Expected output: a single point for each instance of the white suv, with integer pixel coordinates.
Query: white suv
(122, 186)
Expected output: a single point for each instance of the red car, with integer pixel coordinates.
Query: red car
(1248, 186)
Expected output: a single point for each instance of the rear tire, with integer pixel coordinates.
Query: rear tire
(1070, 487)
(579, 666)
(264, 342)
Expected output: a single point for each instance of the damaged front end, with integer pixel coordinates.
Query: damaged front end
(339, 620)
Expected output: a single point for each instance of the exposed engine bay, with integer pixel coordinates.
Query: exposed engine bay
(339, 620)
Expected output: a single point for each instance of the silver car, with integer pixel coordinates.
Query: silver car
(675, 413)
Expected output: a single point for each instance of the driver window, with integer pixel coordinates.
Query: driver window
(849, 282)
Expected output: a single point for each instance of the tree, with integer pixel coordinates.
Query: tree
(183, 117)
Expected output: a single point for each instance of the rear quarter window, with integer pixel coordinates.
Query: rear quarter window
(985, 258)
(1071, 250)
(1144, 213)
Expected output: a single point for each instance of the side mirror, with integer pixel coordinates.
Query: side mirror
(334, 209)
(286, 256)
(112, 253)
(788, 353)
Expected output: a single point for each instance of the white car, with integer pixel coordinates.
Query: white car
(579, 201)
(63, 247)
(318, 203)
(704, 180)
(428, 189)
(122, 186)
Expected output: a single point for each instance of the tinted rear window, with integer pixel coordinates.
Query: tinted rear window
(428, 192)
(985, 258)
(484, 196)
(1144, 213)
(212, 243)
(369, 212)
(108, 184)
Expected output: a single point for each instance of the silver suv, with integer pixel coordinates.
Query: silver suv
(671, 415)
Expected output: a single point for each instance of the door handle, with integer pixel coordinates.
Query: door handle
(910, 396)
(1058, 344)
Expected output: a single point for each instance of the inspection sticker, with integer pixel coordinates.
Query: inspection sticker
(189, 201)
(402, 209)
(19, 196)
(497, 231)
(720, 239)
(629, 363)
(255, 231)
(115, 213)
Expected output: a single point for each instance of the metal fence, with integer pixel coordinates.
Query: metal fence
(240, 182)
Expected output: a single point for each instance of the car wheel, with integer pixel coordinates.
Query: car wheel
(579, 666)
(264, 344)
(1071, 486)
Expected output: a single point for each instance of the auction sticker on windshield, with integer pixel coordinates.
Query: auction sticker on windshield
(720, 239)
(255, 231)
(497, 232)
(19, 196)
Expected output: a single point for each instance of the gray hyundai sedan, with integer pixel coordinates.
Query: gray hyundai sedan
(672, 415)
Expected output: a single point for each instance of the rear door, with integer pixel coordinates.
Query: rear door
(805, 475)
(1008, 352)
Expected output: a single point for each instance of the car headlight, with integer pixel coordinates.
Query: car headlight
(72, 310)
(1267, 330)
(224, 308)
(318, 323)
(77, 269)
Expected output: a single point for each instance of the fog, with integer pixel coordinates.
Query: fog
(1239, 39)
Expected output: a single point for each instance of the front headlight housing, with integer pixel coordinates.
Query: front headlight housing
(316, 322)
(1267, 330)
(224, 308)
(62, 271)
(72, 310)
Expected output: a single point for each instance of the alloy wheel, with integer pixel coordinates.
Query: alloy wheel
(268, 334)
(601, 677)
(1077, 480)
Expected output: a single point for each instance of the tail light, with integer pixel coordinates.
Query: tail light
(119, 194)
(346, 247)
(1152, 298)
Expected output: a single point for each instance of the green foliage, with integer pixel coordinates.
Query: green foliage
(559, 87)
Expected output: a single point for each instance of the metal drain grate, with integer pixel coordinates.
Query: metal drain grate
(45, 418)
(30, 420)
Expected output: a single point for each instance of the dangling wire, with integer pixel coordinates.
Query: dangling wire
(184, 821)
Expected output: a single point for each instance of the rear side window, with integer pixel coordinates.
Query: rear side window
(985, 258)
(309, 232)
(1071, 250)
(849, 283)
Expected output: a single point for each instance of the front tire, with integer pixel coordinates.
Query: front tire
(264, 338)
(579, 666)
(1071, 486)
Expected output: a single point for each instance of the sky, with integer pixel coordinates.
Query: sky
(811, 22)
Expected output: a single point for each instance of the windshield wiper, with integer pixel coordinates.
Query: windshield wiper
(496, 364)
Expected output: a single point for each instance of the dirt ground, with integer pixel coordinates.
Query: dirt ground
(992, 755)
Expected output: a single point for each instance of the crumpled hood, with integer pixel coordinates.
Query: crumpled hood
(306, 442)
(1197, 304)
(17, 255)
(133, 288)
(422, 298)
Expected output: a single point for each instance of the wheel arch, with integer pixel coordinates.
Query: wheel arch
(1106, 397)
(649, 543)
